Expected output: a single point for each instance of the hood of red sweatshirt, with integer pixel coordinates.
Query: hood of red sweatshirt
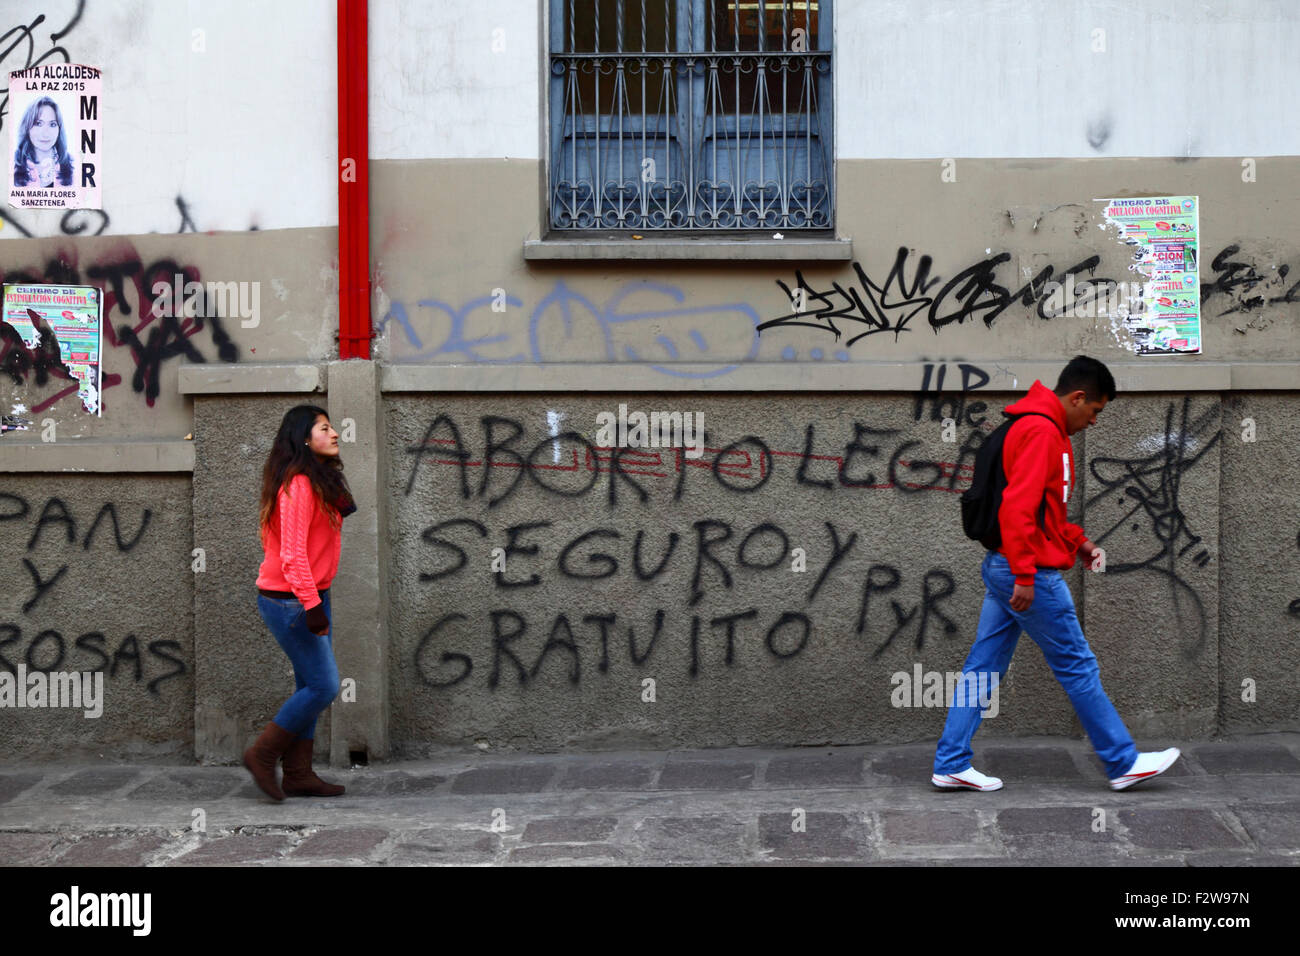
(1041, 399)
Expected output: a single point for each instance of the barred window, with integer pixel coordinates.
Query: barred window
(690, 116)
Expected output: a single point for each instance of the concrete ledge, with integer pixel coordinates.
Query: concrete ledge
(1164, 375)
(250, 377)
(1006, 376)
(1276, 376)
(734, 250)
(96, 455)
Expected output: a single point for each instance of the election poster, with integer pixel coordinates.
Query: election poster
(54, 137)
(1161, 232)
(60, 324)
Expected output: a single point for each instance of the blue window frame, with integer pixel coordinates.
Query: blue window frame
(690, 116)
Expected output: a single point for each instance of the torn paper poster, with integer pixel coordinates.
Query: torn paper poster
(60, 326)
(1162, 234)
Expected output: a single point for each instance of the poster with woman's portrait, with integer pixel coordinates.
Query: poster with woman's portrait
(54, 144)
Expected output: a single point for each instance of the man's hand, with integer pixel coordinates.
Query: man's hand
(1022, 597)
(1092, 555)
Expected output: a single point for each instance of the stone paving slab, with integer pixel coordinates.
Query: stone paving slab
(196, 784)
(1244, 858)
(1027, 827)
(608, 775)
(826, 768)
(561, 853)
(930, 827)
(699, 839)
(823, 836)
(570, 830)
(236, 849)
(525, 778)
(96, 781)
(436, 846)
(123, 849)
(845, 806)
(1184, 829)
(910, 764)
(693, 773)
(1221, 759)
(396, 784)
(1029, 763)
(22, 848)
(1274, 826)
(13, 784)
(341, 843)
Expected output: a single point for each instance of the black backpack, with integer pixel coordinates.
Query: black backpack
(981, 501)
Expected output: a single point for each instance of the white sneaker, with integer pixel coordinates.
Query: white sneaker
(968, 779)
(1145, 767)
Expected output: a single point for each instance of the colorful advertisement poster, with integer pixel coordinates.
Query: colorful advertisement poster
(54, 141)
(1164, 318)
(61, 324)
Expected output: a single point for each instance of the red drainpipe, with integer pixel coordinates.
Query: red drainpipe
(354, 183)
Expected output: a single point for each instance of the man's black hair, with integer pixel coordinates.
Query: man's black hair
(1087, 374)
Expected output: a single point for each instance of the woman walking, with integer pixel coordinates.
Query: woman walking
(304, 501)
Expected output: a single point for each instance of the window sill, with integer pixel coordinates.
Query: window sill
(718, 250)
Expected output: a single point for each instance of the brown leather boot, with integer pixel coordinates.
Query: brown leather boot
(299, 780)
(261, 758)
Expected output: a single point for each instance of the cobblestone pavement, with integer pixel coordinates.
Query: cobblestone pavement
(1229, 802)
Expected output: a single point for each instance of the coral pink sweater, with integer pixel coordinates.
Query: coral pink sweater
(302, 550)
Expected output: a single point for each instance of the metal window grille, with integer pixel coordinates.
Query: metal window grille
(691, 115)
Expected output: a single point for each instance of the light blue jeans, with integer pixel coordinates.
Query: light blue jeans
(314, 670)
(1050, 620)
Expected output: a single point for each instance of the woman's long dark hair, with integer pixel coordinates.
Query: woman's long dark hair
(290, 456)
(25, 152)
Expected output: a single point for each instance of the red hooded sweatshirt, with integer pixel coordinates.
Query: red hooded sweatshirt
(1039, 463)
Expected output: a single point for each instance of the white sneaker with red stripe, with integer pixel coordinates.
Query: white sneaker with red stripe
(968, 779)
(1145, 767)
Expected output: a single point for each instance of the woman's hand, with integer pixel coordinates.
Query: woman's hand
(317, 622)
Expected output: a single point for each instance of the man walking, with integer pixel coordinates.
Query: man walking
(1024, 588)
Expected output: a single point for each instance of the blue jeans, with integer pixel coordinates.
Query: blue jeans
(314, 670)
(1050, 620)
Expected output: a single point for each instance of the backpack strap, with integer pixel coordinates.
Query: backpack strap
(1020, 415)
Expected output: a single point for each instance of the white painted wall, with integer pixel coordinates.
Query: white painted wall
(245, 130)
(454, 79)
(914, 78)
(1018, 78)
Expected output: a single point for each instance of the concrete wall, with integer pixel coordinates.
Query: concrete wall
(97, 578)
(954, 268)
(1194, 622)
(216, 115)
(1197, 605)
(615, 573)
(619, 572)
(295, 272)
(1259, 573)
(219, 146)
